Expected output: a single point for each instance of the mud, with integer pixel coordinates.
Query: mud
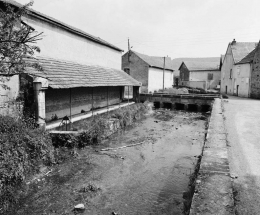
(150, 178)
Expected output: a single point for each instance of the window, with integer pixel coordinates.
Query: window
(127, 70)
(238, 70)
(210, 76)
(230, 74)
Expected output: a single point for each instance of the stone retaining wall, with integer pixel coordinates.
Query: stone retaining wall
(213, 191)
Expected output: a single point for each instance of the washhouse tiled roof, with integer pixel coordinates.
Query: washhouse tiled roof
(249, 58)
(156, 61)
(63, 25)
(64, 74)
(241, 49)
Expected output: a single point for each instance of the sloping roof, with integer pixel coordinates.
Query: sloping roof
(241, 49)
(63, 25)
(64, 74)
(249, 58)
(200, 64)
(154, 61)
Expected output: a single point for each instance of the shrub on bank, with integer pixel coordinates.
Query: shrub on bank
(98, 127)
(23, 148)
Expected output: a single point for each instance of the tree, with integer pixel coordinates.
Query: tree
(17, 40)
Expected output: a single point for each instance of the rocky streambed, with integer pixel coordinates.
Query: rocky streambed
(151, 176)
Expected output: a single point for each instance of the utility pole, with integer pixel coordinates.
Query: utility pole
(163, 70)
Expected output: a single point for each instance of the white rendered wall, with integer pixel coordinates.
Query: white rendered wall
(155, 79)
(62, 44)
(241, 77)
(203, 76)
(12, 91)
(225, 73)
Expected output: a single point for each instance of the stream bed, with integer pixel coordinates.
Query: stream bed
(148, 178)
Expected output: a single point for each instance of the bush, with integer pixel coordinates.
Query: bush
(23, 147)
(98, 127)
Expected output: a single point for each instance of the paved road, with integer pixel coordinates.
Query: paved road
(242, 122)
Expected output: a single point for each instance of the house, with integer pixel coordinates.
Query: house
(200, 72)
(81, 72)
(153, 72)
(255, 75)
(236, 69)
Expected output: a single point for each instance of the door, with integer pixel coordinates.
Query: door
(237, 89)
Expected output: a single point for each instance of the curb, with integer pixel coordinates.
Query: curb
(213, 189)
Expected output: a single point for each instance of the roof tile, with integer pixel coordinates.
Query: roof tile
(64, 74)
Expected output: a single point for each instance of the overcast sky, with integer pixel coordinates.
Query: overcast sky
(177, 28)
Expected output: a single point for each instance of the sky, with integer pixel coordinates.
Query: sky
(174, 28)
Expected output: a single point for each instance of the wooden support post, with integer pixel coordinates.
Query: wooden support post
(92, 106)
(128, 95)
(70, 111)
(107, 99)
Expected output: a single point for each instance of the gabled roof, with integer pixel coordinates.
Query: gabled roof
(63, 25)
(241, 49)
(202, 64)
(154, 61)
(249, 58)
(65, 74)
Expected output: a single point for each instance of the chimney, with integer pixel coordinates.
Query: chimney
(233, 42)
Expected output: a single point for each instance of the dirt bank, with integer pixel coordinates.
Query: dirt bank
(149, 178)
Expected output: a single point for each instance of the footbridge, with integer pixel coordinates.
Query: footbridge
(193, 102)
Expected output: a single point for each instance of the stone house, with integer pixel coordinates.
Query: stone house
(236, 69)
(80, 71)
(255, 75)
(151, 71)
(201, 72)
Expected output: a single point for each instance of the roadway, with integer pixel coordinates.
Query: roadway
(242, 124)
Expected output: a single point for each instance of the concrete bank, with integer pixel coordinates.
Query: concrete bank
(213, 191)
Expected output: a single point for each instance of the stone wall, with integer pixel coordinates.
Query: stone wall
(255, 77)
(58, 100)
(138, 69)
(184, 74)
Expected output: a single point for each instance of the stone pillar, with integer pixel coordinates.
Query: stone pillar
(39, 86)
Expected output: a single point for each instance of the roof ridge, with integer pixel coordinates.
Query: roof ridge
(64, 25)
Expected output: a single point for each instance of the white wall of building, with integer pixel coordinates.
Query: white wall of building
(12, 91)
(241, 78)
(62, 44)
(203, 76)
(226, 81)
(155, 79)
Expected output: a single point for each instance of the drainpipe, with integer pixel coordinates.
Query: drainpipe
(39, 86)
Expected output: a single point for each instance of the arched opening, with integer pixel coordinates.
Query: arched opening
(167, 105)
(192, 107)
(205, 108)
(156, 104)
(179, 106)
